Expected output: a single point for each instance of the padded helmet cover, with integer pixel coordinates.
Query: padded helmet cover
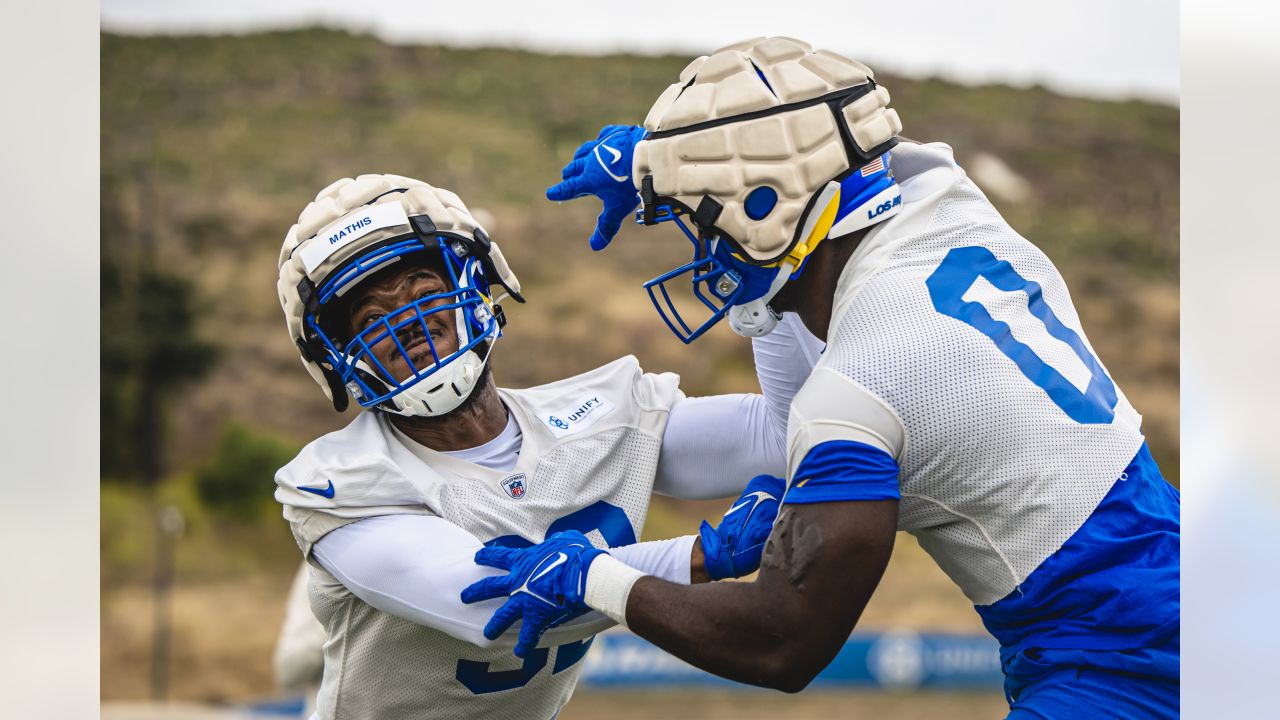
(349, 217)
(763, 112)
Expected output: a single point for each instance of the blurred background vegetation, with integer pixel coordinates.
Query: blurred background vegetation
(212, 145)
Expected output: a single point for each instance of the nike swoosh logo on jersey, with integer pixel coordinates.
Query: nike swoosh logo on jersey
(605, 165)
(324, 492)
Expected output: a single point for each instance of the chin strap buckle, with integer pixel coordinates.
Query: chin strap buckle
(708, 212)
(649, 201)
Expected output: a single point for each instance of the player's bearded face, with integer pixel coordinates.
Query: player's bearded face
(384, 296)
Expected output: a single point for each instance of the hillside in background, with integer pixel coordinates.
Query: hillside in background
(211, 147)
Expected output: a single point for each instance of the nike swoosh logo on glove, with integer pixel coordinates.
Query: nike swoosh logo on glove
(559, 561)
(605, 165)
(759, 498)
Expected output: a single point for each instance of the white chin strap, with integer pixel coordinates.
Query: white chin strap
(756, 318)
(444, 390)
(440, 393)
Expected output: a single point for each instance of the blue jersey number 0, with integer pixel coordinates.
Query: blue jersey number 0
(616, 530)
(956, 275)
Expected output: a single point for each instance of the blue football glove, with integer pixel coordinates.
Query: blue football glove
(733, 549)
(547, 584)
(602, 167)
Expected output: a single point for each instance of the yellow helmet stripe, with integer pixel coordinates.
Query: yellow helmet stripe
(820, 230)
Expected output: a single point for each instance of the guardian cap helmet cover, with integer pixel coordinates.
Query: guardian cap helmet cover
(768, 146)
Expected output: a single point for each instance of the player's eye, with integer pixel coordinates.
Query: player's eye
(370, 319)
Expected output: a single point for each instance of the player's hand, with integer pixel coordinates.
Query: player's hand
(733, 549)
(602, 167)
(547, 584)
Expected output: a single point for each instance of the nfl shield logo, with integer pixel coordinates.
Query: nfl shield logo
(514, 486)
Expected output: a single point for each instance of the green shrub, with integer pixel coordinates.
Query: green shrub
(238, 481)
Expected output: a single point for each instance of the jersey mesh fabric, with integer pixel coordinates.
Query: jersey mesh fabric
(378, 665)
(571, 476)
(995, 476)
(387, 667)
(361, 683)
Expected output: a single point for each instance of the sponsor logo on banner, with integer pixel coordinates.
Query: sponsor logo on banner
(578, 416)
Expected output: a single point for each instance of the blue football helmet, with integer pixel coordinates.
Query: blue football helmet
(360, 228)
(769, 147)
(726, 283)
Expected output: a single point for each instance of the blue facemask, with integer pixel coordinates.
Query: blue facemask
(722, 283)
(467, 306)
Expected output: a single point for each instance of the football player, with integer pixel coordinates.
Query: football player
(298, 659)
(391, 292)
(958, 398)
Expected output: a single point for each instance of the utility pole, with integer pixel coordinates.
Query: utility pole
(169, 527)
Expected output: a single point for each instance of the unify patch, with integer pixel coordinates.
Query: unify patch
(578, 416)
(350, 228)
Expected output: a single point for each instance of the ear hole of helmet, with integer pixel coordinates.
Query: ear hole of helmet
(760, 202)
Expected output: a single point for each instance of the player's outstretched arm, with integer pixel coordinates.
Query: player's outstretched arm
(381, 561)
(711, 445)
(546, 584)
(414, 566)
(820, 566)
(817, 573)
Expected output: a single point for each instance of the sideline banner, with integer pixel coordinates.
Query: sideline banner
(892, 661)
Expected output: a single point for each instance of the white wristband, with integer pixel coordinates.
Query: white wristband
(609, 583)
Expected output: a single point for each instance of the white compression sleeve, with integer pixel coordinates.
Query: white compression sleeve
(713, 445)
(667, 559)
(415, 567)
(784, 360)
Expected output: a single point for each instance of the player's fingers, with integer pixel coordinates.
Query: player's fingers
(487, 589)
(528, 640)
(608, 225)
(574, 187)
(502, 619)
(775, 486)
(497, 557)
(608, 130)
(574, 167)
(585, 148)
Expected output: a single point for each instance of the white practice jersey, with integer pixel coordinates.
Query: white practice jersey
(590, 450)
(954, 347)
